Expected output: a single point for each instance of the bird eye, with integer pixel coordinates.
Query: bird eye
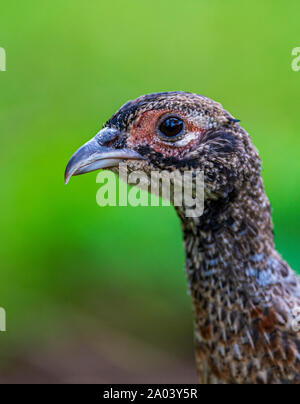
(171, 126)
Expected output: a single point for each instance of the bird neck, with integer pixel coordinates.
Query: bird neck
(232, 232)
(231, 245)
(233, 270)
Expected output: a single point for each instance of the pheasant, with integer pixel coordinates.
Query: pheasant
(246, 298)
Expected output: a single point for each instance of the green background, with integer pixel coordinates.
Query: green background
(72, 273)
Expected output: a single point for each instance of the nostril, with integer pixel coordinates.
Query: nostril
(107, 136)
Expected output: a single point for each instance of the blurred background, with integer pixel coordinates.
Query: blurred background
(99, 294)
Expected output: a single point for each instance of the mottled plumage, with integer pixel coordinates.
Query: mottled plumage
(245, 297)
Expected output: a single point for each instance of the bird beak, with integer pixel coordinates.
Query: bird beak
(95, 154)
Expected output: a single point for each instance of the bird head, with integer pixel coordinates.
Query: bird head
(168, 131)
